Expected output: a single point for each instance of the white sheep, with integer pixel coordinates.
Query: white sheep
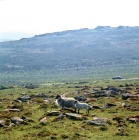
(80, 105)
(65, 102)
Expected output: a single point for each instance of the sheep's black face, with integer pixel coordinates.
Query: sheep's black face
(75, 102)
(57, 96)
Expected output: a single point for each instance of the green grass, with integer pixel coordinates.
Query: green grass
(66, 128)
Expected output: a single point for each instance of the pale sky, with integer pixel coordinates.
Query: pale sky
(45, 16)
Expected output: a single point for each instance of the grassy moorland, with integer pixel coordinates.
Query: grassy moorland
(83, 74)
(78, 63)
(66, 128)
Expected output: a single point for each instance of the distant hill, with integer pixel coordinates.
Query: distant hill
(72, 50)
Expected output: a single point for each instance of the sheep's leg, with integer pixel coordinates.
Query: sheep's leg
(87, 111)
(75, 110)
(62, 107)
(78, 111)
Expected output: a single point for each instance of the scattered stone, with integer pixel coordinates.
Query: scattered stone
(11, 125)
(121, 132)
(113, 88)
(133, 119)
(98, 121)
(85, 88)
(109, 105)
(24, 118)
(23, 94)
(125, 105)
(53, 113)
(125, 96)
(96, 107)
(73, 116)
(41, 95)
(43, 121)
(80, 98)
(117, 118)
(96, 89)
(134, 108)
(100, 94)
(47, 100)
(137, 90)
(24, 98)
(18, 101)
(16, 120)
(60, 117)
(13, 110)
(76, 92)
(90, 100)
(104, 88)
(111, 93)
(2, 123)
(93, 115)
(121, 123)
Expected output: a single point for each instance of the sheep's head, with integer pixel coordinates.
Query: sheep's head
(75, 101)
(90, 107)
(58, 96)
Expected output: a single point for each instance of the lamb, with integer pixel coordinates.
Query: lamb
(80, 105)
(65, 102)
